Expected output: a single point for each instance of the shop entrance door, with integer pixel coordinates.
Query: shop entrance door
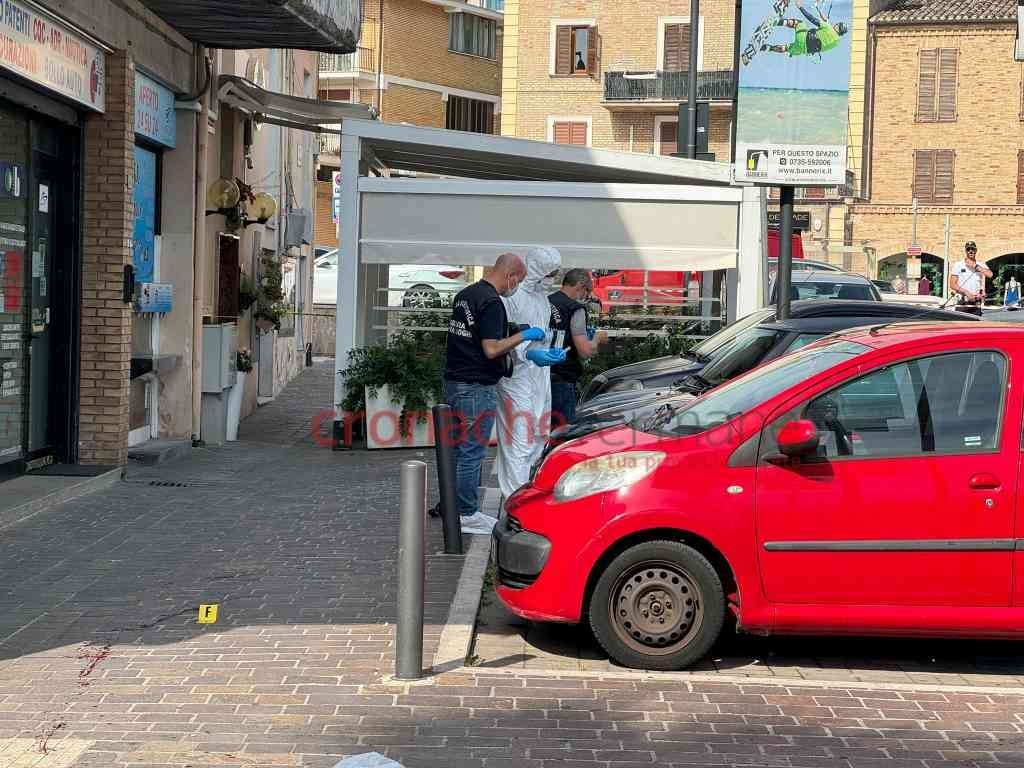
(43, 245)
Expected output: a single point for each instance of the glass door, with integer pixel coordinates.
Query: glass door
(44, 240)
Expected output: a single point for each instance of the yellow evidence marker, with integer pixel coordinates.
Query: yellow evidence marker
(207, 614)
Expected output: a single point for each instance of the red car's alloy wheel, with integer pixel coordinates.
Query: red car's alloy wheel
(656, 608)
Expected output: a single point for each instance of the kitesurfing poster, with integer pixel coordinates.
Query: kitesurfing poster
(794, 83)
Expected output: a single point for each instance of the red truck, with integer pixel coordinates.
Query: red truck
(628, 287)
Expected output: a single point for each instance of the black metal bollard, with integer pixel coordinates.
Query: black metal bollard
(411, 571)
(309, 355)
(445, 451)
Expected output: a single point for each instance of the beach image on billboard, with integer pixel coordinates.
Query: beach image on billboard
(794, 72)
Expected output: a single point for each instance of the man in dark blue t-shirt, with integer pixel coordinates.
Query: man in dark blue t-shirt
(478, 347)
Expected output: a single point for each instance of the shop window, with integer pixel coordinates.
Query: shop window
(473, 35)
(474, 115)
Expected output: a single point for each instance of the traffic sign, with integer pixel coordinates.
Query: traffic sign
(914, 251)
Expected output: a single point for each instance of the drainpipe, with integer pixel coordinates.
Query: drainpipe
(199, 253)
(867, 145)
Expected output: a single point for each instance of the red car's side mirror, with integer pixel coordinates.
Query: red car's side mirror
(798, 438)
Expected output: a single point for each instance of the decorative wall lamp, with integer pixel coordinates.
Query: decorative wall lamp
(235, 200)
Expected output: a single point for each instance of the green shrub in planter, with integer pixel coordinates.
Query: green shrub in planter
(410, 364)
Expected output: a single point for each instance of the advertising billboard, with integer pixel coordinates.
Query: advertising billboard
(794, 83)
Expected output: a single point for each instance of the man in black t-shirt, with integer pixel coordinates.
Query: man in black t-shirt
(478, 346)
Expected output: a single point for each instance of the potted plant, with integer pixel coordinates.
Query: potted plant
(270, 306)
(243, 364)
(395, 385)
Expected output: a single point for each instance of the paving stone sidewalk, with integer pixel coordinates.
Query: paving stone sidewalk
(102, 664)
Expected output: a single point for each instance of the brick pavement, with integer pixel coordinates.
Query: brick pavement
(504, 641)
(103, 666)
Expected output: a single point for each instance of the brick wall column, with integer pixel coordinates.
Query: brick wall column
(109, 169)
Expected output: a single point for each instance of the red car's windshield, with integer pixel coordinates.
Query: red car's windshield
(725, 403)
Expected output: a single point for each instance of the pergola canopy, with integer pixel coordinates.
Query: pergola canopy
(487, 194)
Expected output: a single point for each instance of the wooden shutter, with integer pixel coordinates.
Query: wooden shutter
(1020, 177)
(924, 175)
(563, 51)
(927, 86)
(593, 50)
(570, 133)
(677, 48)
(944, 159)
(947, 84)
(669, 138)
(579, 134)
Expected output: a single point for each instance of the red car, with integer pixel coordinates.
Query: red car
(627, 287)
(865, 484)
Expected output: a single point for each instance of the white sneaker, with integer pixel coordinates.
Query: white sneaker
(478, 524)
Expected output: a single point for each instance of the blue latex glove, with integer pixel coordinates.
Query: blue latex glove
(546, 357)
(534, 334)
(591, 333)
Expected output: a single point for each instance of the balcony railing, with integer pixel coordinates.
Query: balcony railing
(330, 143)
(359, 61)
(715, 85)
(491, 5)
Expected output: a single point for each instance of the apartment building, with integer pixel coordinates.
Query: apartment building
(612, 75)
(110, 267)
(947, 131)
(434, 63)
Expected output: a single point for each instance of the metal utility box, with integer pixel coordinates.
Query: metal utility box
(220, 355)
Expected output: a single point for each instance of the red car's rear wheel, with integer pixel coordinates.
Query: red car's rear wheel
(658, 605)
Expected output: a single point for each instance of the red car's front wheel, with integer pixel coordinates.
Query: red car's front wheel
(658, 605)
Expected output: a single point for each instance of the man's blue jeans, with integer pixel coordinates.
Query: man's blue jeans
(563, 402)
(474, 409)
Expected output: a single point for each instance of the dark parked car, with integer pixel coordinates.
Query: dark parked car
(753, 345)
(662, 372)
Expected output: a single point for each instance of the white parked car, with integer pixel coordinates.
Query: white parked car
(422, 286)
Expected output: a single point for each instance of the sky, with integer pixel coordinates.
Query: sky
(774, 70)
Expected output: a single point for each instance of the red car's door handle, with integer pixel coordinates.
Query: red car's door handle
(985, 482)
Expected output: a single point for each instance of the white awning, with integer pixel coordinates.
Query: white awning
(597, 226)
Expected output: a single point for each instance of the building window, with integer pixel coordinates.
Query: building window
(936, 85)
(335, 94)
(668, 137)
(677, 48)
(471, 34)
(576, 49)
(933, 176)
(1020, 177)
(569, 132)
(472, 115)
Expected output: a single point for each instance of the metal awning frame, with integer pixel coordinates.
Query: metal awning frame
(492, 167)
(289, 111)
